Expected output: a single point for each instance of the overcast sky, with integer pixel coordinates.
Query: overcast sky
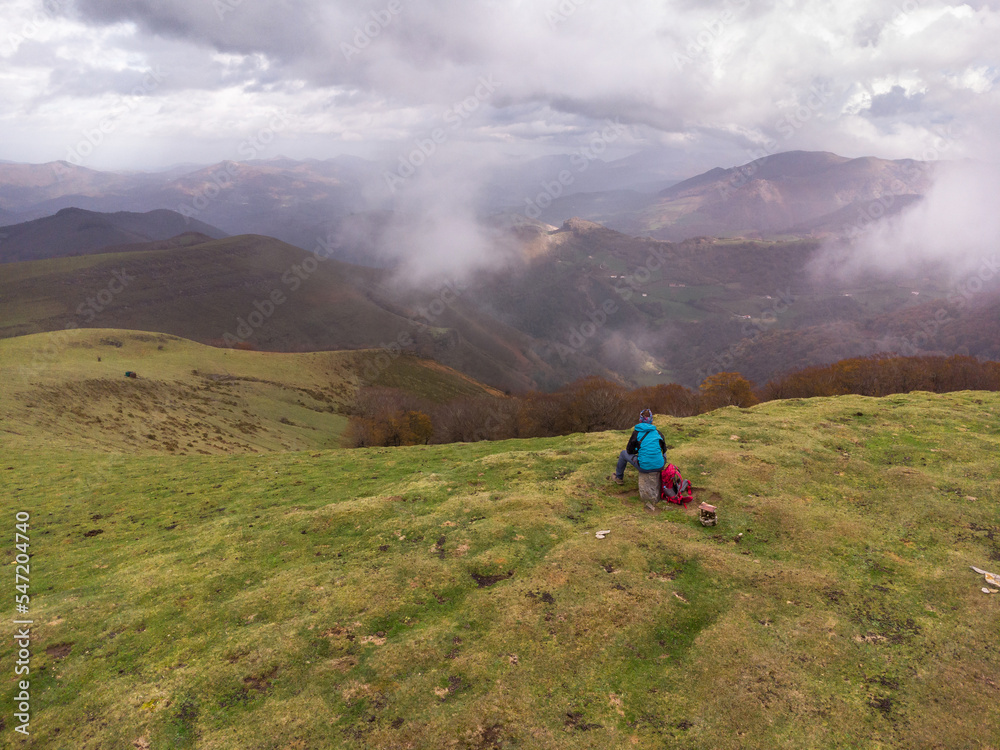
(713, 83)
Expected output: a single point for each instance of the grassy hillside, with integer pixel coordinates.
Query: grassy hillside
(586, 301)
(197, 292)
(69, 390)
(208, 290)
(456, 596)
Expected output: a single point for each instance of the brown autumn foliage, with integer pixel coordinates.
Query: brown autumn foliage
(883, 375)
(672, 399)
(727, 389)
(388, 416)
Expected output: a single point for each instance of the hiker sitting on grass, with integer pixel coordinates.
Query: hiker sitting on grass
(646, 449)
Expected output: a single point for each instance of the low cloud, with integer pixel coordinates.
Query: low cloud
(435, 234)
(954, 229)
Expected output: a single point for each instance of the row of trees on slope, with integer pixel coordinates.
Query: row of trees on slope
(389, 417)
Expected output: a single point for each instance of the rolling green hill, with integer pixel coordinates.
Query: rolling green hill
(224, 291)
(456, 596)
(68, 390)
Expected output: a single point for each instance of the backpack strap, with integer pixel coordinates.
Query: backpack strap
(639, 442)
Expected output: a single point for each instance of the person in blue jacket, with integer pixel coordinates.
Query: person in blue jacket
(646, 449)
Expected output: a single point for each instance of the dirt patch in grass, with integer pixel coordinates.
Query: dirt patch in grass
(575, 722)
(454, 685)
(343, 664)
(260, 682)
(484, 580)
(59, 650)
(492, 737)
(256, 683)
(884, 705)
(883, 622)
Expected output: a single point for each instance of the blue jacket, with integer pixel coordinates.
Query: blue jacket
(649, 443)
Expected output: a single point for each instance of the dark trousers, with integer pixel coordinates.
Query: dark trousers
(625, 458)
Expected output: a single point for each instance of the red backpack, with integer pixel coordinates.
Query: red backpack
(673, 487)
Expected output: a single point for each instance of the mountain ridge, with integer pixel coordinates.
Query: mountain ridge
(777, 194)
(75, 231)
(298, 200)
(581, 300)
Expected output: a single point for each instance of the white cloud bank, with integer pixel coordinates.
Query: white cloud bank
(955, 228)
(375, 75)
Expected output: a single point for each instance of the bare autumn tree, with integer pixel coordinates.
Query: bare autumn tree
(672, 399)
(538, 414)
(474, 418)
(727, 389)
(593, 404)
(388, 417)
(419, 428)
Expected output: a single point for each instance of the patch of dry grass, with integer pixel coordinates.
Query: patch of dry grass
(67, 390)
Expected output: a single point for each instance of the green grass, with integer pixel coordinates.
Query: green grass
(68, 390)
(333, 598)
(271, 295)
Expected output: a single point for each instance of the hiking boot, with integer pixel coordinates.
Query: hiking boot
(616, 480)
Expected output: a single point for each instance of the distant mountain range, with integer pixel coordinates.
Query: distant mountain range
(74, 231)
(797, 193)
(293, 201)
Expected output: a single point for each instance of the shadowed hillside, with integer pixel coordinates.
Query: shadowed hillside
(582, 300)
(74, 231)
(682, 311)
(261, 293)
